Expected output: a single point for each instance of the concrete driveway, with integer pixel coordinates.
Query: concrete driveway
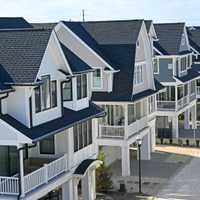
(185, 185)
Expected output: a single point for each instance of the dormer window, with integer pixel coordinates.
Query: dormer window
(81, 86)
(45, 95)
(67, 90)
(97, 79)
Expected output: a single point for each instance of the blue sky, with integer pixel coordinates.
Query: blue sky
(55, 10)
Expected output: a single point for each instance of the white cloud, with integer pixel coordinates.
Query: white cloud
(54, 10)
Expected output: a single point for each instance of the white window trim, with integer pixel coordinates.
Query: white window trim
(137, 65)
(158, 64)
(101, 87)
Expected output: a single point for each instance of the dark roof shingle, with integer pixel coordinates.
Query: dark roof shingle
(21, 53)
(170, 35)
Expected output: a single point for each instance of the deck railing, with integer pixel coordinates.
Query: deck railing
(182, 102)
(45, 174)
(9, 185)
(166, 105)
(111, 131)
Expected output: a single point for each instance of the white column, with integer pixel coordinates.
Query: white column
(67, 190)
(153, 136)
(75, 188)
(87, 187)
(194, 116)
(145, 148)
(187, 119)
(175, 131)
(21, 163)
(93, 183)
(125, 160)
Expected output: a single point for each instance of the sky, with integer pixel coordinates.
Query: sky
(56, 10)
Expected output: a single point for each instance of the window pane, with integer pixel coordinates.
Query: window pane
(67, 90)
(85, 137)
(80, 136)
(37, 100)
(78, 87)
(97, 78)
(47, 146)
(84, 85)
(131, 113)
(45, 92)
(90, 131)
(53, 94)
(75, 138)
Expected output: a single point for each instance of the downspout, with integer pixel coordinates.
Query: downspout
(18, 150)
(4, 97)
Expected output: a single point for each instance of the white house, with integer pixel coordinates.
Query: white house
(48, 125)
(173, 68)
(122, 84)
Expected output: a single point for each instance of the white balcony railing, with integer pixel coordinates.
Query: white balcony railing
(137, 126)
(45, 174)
(192, 97)
(9, 185)
(111, 131)
(182, 102)
(166, 105)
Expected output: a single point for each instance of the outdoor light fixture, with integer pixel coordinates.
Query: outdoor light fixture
(139, 143)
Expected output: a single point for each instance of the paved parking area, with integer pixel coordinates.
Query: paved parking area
(166, 163)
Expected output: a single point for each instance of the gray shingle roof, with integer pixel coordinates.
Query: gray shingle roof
(14, 23)
(76, 64)
(170, 35)
(21, 53)
(194, 37)
(44, 25)
(69, 119)
(116, 41)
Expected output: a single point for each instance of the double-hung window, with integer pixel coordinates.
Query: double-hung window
(53, 94)
(81, 86)
(97, 79)
(45, 94)
(82, 135)
(67, 90)
(47, 145)
(138, 74)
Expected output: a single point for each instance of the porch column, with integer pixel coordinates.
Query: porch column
(187, 119)
(145, 148)
(87, 186)
(175, 131)
(75, 188)
(194, 116)
(21, 169)
(125, 160)
(153, 136)
(67, 190)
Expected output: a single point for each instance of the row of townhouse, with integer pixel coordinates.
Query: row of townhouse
(68, 87)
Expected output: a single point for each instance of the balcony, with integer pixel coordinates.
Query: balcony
(166, 105)
(107, 131)
(175, 106)
(35, 179)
